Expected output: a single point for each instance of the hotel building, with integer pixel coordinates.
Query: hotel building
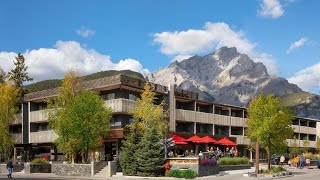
(188, 116)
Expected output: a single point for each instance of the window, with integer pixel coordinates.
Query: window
(131, 120)
(236, 131)
(108, 96)
(132, 97)
(115, 122)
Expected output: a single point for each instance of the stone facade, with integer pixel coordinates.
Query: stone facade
(16, 168)
(37, 168)
(72, 169)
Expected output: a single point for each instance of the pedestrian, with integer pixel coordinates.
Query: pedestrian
(9, 168)
(301, 161)
(289, 162)
(307, 163)
(296, 161)
(282, 159)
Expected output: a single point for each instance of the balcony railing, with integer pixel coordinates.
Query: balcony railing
(299, 143)
(17, 138)
(208, 118)
(121, 105)
(17, 119)
(43, 136)
(38, 116)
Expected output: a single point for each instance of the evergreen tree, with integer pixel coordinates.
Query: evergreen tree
(18, 75)
(128, 160)
(141, 142)
(150, 153)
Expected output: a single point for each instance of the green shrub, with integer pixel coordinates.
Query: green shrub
(39, 161)
(233, 161)
(188, 174)
(273, 169)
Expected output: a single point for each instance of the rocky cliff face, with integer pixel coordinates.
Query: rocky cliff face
(224, 76)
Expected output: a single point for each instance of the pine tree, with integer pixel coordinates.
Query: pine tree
(150, 153)
(128, 160)
(18, 75)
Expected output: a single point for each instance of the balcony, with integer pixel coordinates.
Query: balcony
(312, 144)
(185, 115)
(208, 118)
(43, 136)
(221, 120)
(38, 116)
(241, 140)
(296, 128)
(308, 130)
(17, 138)
(237, 121)
(121, 105)
(17, 119)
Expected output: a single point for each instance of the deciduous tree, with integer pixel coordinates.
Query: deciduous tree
(270, 122)
(7, 110)
(79, 118)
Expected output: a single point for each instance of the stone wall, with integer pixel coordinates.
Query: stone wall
(16, 168)
(37, 168)
(112, 168)
(72, 169)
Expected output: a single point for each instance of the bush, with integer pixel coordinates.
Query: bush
(39, 161)
(188, 174)
(273, 169)
(233, 161)
(311, 156)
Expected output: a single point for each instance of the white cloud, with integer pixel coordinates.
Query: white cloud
(308, 79)
(85, 32)
(49, 63)
(297, 44)
(179, 44)
(180, 58)
(271, 8)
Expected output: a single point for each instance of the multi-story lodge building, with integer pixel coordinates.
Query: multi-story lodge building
(188, 116)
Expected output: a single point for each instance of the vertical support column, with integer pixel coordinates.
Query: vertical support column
(229, 121)
(172, 108)
(213, 112)
(195, 117)
(14, 155)
(299, 133)
(29, 118)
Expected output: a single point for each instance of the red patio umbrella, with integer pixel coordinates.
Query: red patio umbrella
(208, 139)
(180, 143)
(177, 138)
(195, 139)
(226, 142)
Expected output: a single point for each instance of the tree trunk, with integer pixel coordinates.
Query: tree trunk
(269, 156)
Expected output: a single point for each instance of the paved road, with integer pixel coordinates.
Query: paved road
(308, 174)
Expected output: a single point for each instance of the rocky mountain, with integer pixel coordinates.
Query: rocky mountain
(226, 77)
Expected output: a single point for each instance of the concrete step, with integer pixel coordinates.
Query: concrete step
(118, 174)
(103, 172)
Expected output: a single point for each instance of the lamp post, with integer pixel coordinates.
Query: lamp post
(257, 156)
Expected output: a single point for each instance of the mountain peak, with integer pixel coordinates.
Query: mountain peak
(226, 76)
(225, 53)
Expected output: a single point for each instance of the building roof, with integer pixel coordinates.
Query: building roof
(99, 84)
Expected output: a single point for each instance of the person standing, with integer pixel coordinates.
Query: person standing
(9, 168)
(282, 159)
(301, 161)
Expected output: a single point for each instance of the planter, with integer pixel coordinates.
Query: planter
(72, 169)
(234, 167)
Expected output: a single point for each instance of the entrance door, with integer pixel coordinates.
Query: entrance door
(110, 150)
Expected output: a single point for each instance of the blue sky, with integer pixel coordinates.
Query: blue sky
(145, 35)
